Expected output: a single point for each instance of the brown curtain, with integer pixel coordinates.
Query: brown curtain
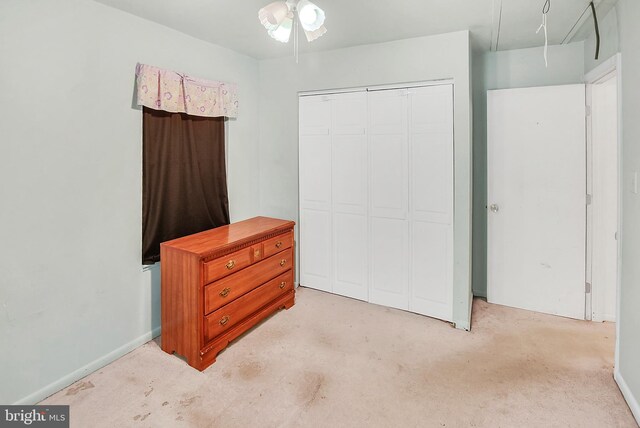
(184, 184)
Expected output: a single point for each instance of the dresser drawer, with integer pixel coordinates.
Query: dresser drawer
(226, 265)
(226, 317)
(227, 289)
(278, 243)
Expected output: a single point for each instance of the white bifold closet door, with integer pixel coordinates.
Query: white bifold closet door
(349, 195)
(389, 214)
(431, 200)
(333, 194)
(315, 193)
(376, 197)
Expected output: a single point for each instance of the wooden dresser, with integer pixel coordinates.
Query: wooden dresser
(217, 284)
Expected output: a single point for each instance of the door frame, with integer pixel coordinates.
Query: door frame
(600, 74)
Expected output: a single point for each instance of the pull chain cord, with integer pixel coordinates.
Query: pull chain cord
(545, 10)
(546, 40)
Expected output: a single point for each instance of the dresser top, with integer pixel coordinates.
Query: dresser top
(203, 243)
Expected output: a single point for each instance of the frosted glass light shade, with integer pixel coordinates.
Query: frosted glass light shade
(273, 14)
(311, 16)
(312, 35)
(308, 15)
(283, 31)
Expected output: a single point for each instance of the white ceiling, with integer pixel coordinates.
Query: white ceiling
(509, 24)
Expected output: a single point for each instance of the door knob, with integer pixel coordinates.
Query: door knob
(494, 208)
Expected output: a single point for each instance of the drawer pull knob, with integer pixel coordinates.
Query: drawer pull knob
(282, 262)
(278, 244)
(231, 264)
(225, 292)
(282, 284)
(224, 320)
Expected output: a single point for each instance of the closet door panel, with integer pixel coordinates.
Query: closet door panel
(388, 181)
(389, 263)
(315, 249)
(388, 112)
(431, 202)
(431, 152)
(349, 148)
(388, 153)
(349, 170)
(432, 177)
(349, 113)
(315, 192)
(388, 176)
(431, 272)
(315, 180)
(431, 109)
(314, 115)
(349, 190)
(350, 255)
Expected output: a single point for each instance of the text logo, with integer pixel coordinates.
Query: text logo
(34, 416)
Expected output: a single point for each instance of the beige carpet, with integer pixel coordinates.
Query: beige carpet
(336, 362)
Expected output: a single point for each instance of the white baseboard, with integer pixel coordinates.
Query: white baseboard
(67, 380)
(628, 395)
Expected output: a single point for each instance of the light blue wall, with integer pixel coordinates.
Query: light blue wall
(73, 295)
(628, 370)
(502, 70)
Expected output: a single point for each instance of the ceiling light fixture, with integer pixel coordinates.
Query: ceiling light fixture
(281, 18)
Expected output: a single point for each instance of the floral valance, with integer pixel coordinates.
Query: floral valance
(178, 93)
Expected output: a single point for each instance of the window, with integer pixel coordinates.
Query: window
(184, 184)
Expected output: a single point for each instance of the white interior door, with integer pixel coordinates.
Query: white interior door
(537, 199)
(389, 228)
(315, 192)
(431, 201)
(349, 202)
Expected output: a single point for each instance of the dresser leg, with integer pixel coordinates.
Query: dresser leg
(289, 303)
(166, 346)
(200, 364)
